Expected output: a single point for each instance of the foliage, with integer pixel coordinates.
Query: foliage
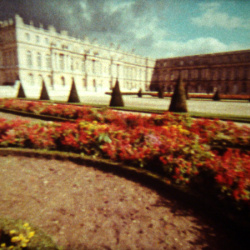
(174, 145)
(44, 92)
(216, 96)
(161, 92)
(139, 94)
(73, 95)
(178, 101)
(16, 234)
(116, 97)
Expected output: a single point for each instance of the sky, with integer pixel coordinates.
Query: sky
(150, 28)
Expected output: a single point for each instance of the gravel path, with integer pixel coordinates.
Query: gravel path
(84, 208)
(209, 107)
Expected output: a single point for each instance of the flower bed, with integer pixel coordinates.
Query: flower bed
(209, 153)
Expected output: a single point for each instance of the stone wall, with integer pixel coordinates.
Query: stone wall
(229, 72)
(38, 54)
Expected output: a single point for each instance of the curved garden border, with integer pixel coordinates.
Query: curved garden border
(156, 182)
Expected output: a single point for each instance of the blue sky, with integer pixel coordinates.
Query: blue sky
(153, 28)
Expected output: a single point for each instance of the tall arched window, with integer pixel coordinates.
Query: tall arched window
(48, 61)
(84, 81)
(49, 79)
(61, 61)
(63, 81)
(39, 60)
(40, 79)
(93, 66)
(31, 79)
(83, 65)
(244, 87)
(29, 58)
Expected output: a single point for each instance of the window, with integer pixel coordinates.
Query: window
(39, 60)
(27, 35)
(37, 39)
(84, 82)
(93, 66)
(244, 87)
(117, 70)
(46, 40)
(63, 81)
(29, 59)
(83, 65)
(48, 61)
(40, 79)
(31, 79)
(61, 62)
(71, 63)
(49, 80)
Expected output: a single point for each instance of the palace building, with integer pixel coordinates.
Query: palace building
(228, 71)
(35, 54)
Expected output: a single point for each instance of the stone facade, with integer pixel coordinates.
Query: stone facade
(35, 54)
(229, 72)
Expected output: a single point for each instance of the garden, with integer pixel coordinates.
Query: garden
(208, 158)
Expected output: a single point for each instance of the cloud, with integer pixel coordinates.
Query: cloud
(212, 17)
(202, 45)
(130, 23)
(139, 24)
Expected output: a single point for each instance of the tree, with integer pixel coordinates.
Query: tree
(116, 97)
(178, 101)
(73, 96)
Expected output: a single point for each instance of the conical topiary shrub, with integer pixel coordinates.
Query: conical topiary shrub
(44, 93)
(20, 92)
(139, 94)
(178, 101)
(116, 97)
(73, 96)
(216, 96)
(161, 92)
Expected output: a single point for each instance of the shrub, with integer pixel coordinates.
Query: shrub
(44, 93)
(161, 92)
(178, 101)
(20, 92)
(139, 94)
(17, 234)
(73, 95)
(216, 96)
(116, 97)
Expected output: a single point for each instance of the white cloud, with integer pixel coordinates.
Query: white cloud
(213, 17)
(202, 45)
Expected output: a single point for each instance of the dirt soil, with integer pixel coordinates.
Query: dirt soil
(82, 207)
